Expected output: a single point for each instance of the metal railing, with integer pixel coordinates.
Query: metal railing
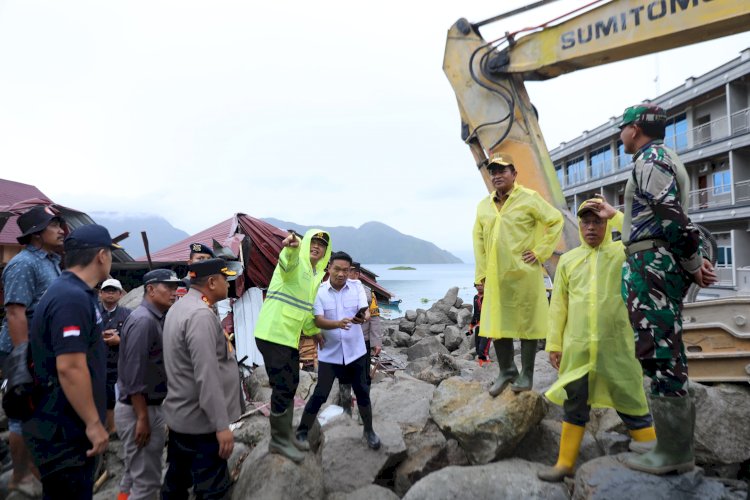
(742, 191)
(713, 197)
(725, 276)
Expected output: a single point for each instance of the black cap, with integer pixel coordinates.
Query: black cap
(209, 267)
(201, 248)
(356, 266)
(90, 236)
(161, 276)
(35, 220)
(321, 236)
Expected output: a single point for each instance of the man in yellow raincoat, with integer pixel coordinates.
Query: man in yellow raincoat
(287, 311)
(590, 340)
(515, 231)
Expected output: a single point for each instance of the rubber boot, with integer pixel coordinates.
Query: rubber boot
(674, 419)
(305, 424)
(642, 440)
(570, 444)
(282, 438)
(373, 441)
(526, 379)
(345, 397)
(506, 365)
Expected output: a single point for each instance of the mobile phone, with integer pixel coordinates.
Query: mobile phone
(361, 312)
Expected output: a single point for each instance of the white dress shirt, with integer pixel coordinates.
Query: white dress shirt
(341, 346)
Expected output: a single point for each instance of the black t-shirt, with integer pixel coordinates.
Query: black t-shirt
(67, 320)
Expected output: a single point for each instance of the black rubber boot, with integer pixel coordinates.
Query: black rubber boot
(674, 419)
(506, 365)
(525, 380)
(305, 424)
(373, 441)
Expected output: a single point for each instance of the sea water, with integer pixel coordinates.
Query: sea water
(421, 287)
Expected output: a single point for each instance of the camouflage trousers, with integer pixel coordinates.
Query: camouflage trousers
(653, 287)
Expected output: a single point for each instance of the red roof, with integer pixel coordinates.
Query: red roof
(180, 251)
(11, 195)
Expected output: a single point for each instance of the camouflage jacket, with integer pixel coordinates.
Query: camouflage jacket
(658, 205)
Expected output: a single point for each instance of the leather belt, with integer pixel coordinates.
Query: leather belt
(642, 245)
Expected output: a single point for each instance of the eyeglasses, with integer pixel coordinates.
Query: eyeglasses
(593, 222)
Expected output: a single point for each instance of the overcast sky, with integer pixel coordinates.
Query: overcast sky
(328, 112)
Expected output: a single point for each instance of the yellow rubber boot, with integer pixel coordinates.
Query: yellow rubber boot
(570, 444)
(642, 440)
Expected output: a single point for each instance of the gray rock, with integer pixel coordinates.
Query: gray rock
(487, 428)
(456, 454)
(427, 452)
(608, 478)
(606, 420)
(434, 368)
(718, 407)
(253, 430)
(542, 444)
(410, 315)
(421, 332)
(424, 348)
(369, 492)
(452, 314)
(452, 338)
(509, 479)
(239, 453)
(451, 296)
(438, 328)
(437, 317)
(260, 388)
(612, 443)
(270, 476)
(403, 400)
(422, 318)
(459, 302)
(463, 318)
(406, 326)
(401, 339)
(349, 464)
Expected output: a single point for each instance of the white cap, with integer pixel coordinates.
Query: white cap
(113, 283)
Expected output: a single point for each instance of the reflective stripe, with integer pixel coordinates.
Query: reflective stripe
(306, 309)
(289, 297)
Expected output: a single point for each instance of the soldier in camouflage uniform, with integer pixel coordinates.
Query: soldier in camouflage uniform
(663, 259)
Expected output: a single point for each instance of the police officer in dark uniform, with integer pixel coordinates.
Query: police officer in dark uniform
(66, 431)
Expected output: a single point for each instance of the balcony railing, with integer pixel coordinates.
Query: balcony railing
(713, 197)
(725, 276)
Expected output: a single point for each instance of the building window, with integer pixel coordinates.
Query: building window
(675, 135)
(560, 175)
(601, 162)
(623, 159)
(722, 182)
(724, 257)
(575, 170)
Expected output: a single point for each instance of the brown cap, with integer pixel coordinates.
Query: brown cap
(500, 160)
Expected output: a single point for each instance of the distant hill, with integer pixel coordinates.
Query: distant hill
(378, 243)
(160, 232)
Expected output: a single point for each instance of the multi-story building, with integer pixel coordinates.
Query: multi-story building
(709, 126)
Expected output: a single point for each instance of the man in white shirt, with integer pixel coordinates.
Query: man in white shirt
(341, 345)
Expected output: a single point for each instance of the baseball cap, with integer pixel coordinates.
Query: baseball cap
(643, 113)
(210, 267)
(201, 248)
(356, 266)
(585, 207)
(112, 283)
(90, 236)
(500, 160)
(34, 220)
(161, 276)
(322, 236)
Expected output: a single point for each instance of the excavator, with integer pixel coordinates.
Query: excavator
(497, 115)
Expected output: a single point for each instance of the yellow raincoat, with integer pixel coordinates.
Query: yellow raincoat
(588, 323)
(515, 304)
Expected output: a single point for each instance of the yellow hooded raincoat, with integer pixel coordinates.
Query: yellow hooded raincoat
(588, 323)
(515, 304)
(288, 308)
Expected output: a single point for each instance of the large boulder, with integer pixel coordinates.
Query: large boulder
(437, 317)
(718, 437)
(270, 476)
(511, 479)
(434, 368)
(451, 297)
(427, 452)
(452, 338)
(542, 443)
(452, 314)
(487, 428)
(252, 430)
(401, 339)
(403, 400)
(463, 318)
(347, 462)
(410, 315)
(422, 317)
(426, 347)
(260, 387)
(607, 478)
(437, 328)
(369, 492)
(406, 326)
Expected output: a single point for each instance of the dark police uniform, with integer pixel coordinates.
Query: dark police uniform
(113, 321)
(66, 321)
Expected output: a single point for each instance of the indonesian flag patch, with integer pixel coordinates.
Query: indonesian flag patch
(71, 331)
